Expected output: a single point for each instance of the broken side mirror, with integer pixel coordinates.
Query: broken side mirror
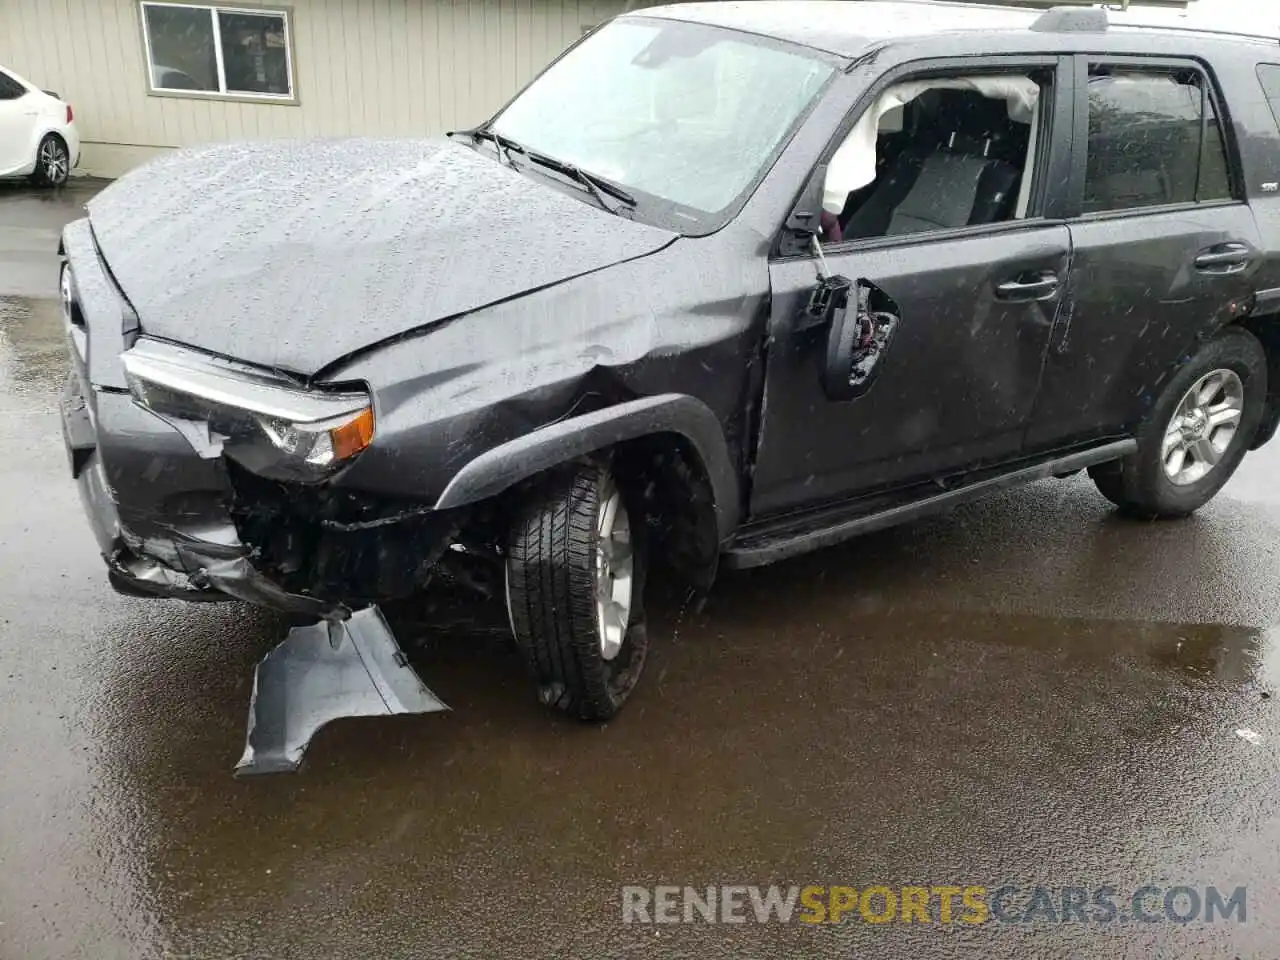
(857, 340)
(829, 296)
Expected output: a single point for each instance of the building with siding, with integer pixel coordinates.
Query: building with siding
(145, 77)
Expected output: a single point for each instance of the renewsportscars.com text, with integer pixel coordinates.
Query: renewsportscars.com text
(942, 904)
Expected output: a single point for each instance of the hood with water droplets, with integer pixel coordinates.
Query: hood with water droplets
(294, 254)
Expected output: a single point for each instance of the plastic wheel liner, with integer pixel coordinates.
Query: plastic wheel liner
(323, 672)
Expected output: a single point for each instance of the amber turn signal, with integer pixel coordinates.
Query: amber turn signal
(353, 436)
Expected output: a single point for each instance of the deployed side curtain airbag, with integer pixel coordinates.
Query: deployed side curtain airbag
(854, 163)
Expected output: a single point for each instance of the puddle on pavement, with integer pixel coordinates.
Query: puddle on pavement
(33, 357)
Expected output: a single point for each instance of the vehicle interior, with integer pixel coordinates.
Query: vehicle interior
(949, 152)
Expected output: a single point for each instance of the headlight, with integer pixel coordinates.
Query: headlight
(321, 444)
(272, 426)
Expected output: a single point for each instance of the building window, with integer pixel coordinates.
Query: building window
(221, 51)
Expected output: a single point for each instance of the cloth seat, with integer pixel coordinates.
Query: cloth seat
(956, 186)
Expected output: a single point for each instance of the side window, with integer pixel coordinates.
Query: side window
(938, 152)
(1269, 77)
(1154, 139)
(10, 89)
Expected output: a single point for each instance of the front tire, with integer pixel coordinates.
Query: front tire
(53, 162)
(1197, 433)
(575, 579)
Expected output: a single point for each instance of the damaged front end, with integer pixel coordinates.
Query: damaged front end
(206, 480)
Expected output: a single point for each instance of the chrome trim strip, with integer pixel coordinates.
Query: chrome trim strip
(227, 385)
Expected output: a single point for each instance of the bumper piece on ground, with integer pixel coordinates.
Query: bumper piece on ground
(321, 673)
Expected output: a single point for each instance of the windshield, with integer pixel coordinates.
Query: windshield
(684, 113)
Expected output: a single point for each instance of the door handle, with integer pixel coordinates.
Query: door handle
(1224, 258)
(1029, 286)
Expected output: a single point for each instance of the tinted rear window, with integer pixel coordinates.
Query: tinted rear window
(1269, 76)
(1154, 139)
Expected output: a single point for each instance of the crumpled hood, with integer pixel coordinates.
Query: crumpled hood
(294, 254)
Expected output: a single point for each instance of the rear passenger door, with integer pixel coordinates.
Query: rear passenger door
(1164, 247)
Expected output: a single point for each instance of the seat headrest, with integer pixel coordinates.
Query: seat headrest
(970, 145)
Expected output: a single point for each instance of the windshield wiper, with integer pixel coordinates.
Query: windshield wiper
(595, 183)
(503, 145)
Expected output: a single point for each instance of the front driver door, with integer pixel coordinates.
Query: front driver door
(955, 387)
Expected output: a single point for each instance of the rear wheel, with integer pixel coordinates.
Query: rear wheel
(1197, 434)
(575, 579)
(53, 162)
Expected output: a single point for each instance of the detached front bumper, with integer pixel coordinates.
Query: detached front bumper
(159, 511)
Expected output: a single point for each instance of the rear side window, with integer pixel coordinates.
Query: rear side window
(1154, 139)
(10, 89)
(1269, 76)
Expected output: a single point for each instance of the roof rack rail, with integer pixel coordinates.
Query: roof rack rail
(1118, 5)
(1182, 22)
(1109, 4)
(1242, 33)
(1071, 20)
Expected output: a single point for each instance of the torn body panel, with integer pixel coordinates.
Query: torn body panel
(322, 673)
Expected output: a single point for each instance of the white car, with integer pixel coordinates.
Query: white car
(38, 136)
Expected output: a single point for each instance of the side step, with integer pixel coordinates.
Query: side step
(774, 541)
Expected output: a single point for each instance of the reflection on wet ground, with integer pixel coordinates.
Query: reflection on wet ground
(1027, 690)
(35, 359)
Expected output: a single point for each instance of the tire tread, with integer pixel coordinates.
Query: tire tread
(551, 593)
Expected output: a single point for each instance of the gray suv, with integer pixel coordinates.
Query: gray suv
(724, 284)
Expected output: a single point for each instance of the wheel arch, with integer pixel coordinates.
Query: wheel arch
(1267, 329)
(674, 440)
(1265, 326)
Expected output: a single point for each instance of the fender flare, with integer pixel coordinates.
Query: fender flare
(503, 466)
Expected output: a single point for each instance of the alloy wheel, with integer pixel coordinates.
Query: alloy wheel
(615, 567)
(1203, 427)
(54, 162)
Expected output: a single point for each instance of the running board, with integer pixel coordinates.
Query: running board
(772, 542)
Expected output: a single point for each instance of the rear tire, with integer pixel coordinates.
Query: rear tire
(53, 162)
(1197, 433)
(575, 581)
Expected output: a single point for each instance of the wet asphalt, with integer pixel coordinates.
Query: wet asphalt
(1025, 691)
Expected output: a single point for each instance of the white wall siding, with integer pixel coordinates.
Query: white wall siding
(368, 67)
